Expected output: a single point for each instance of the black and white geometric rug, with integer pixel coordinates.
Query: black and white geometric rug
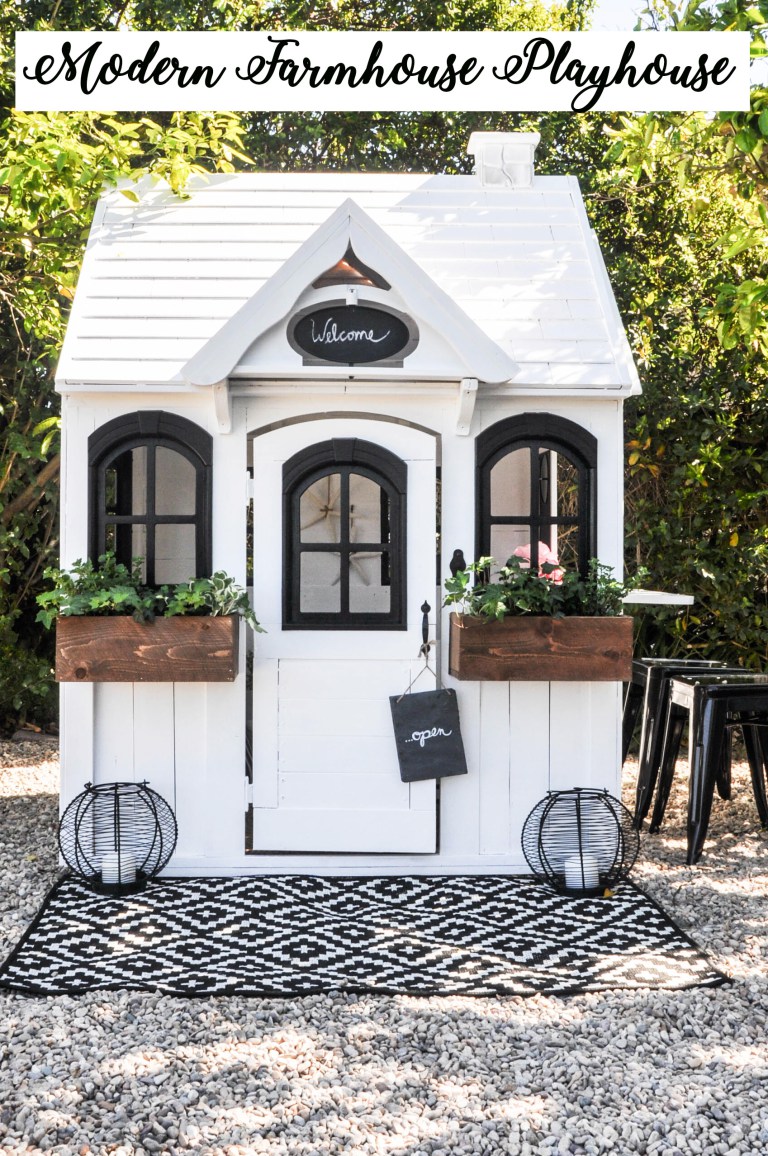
(298, 935)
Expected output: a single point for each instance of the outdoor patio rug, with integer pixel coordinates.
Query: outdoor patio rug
(298, 935)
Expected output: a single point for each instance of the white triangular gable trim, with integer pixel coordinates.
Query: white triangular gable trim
(477, 354)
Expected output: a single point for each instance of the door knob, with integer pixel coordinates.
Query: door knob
(425, 609)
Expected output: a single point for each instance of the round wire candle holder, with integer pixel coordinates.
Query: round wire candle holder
(115, 836)
(580, 842)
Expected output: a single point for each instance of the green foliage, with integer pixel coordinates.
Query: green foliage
(493, 592)
(110, 588)
(690, 149)
(218, 594)
(106, 588)
(668, 212)
(26, 686)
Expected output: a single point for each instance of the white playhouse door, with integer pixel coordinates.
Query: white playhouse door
(344, 539)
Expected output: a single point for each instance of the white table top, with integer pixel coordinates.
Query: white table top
(656, 598)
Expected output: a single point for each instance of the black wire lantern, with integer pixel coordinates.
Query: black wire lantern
(580, 842)
(115, 836)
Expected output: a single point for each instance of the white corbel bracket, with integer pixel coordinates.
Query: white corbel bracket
(466, 405)
(222, 404)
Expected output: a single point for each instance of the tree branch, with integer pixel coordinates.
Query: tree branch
(30, 494)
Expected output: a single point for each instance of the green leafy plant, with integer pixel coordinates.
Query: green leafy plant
(26, 689)
(218, 594)
(489, 591)
(107, 587)
(111, 588)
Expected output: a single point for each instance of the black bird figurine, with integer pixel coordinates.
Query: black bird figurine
(457, 562)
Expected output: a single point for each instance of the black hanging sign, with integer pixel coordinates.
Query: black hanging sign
(341, 334)
(428, 735)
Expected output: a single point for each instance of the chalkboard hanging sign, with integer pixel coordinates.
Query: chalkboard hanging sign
(428, 735)
(339, 334)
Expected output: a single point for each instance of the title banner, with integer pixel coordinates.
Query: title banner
(383, 71)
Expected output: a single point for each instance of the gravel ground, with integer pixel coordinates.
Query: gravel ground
(623, 1072)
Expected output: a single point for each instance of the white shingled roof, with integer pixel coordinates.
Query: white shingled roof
(511, 280)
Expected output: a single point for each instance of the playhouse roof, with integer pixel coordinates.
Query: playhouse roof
(178, 291)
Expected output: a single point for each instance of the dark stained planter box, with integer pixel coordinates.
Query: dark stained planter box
(531, 649)
(119, 649)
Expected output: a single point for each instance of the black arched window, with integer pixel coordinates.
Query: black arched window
(344, 537)
(150, 494)
(537, 483)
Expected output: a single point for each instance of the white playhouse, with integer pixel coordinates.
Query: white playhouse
(325, 385)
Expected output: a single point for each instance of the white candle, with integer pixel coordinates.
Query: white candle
(581, 873)
(118, 867)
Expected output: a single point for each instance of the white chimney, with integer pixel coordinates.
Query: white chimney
(504, 158)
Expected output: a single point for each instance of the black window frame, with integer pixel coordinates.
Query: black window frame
(345, 456)
(152, 429)
(536, 432)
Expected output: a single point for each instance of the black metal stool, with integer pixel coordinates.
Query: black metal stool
(713, 704)
(634, 693)
(649, 686)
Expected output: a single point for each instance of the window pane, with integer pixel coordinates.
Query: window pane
(126, 483)
(110, 487)
(511, 485)
(368, 511)
(340, 536)
(320, 510)
(174, 482)
(368, 593)
(506, 539)
(138, 546)
(568, 547)
(127, 543)
(320, 585)
(174, 553)
(567, 488)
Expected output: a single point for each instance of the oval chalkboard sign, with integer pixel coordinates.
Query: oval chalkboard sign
(351, 334)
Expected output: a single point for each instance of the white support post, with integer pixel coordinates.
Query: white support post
(466, 405)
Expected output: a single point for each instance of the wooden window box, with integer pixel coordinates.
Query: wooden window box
(119, 649)
(534, 649)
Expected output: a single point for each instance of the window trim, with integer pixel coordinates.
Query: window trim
(156, 429)
(545, 431)
(388, 471)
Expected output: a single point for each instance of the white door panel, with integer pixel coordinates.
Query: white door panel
(323, 718)
(360, 790)
(345, 755)
(325, 770)
(372, 832)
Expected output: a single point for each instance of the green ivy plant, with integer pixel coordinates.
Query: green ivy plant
(487, 590)
(108, 587)
(218, 594)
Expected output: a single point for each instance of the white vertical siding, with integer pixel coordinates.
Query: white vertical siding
(188, 739)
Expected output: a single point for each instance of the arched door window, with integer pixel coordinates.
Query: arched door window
(150, 495)
(344, 537)
(537, 484)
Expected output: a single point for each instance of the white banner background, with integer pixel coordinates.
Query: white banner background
(382, 71)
